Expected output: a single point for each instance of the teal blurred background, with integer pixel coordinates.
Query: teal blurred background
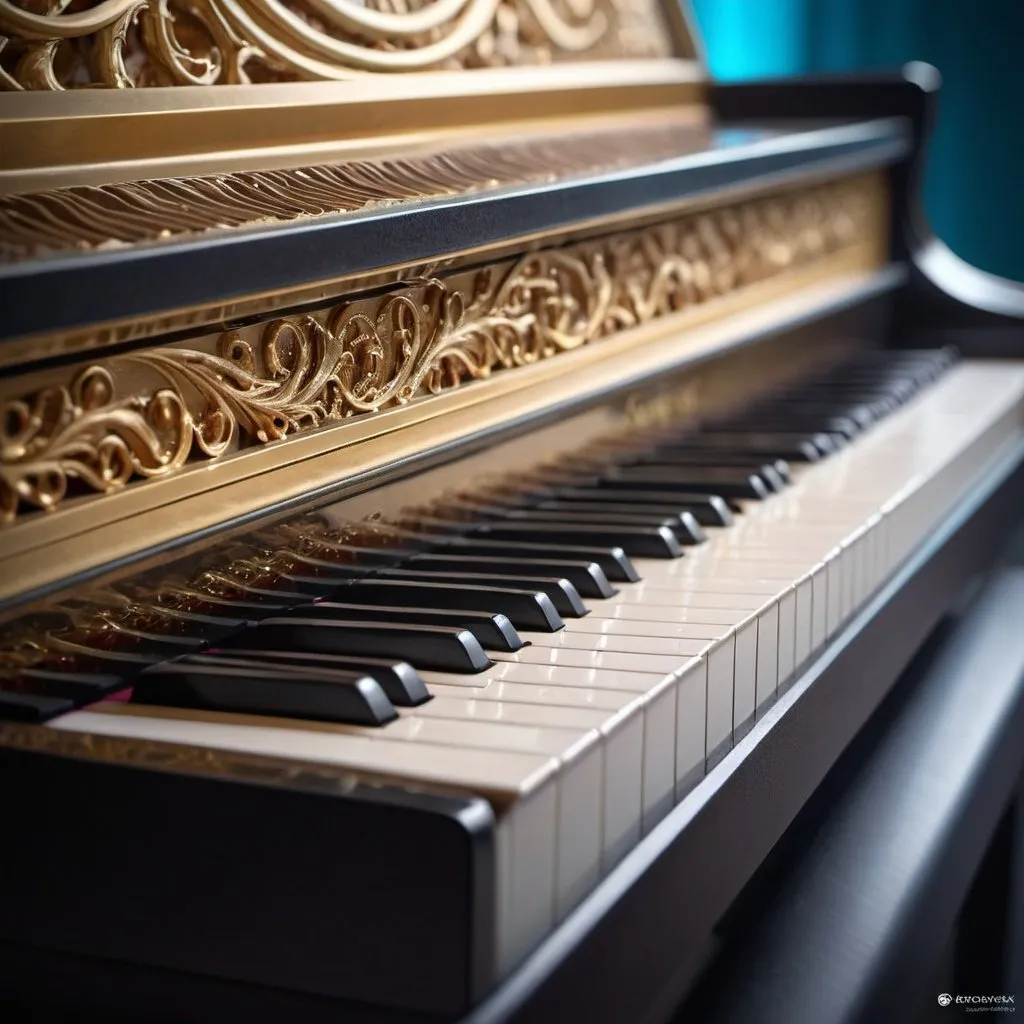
(974, 191)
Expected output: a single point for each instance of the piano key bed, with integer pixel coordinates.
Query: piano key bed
(578, 647)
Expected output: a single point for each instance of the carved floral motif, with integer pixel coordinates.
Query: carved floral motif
(57, 44)
(296, 373)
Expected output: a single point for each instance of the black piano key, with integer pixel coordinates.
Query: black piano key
(493, 630)
(713, 459)
(123, 664)
(772, 478)
(614, 562)
(203, 604)
(203, 626)
(688, 529)
(525, 608)
(398, 679)
(449, 650)
(379, 558)
(587, 577)
(29, 707)
(262, 596)
(782, 444)
(278, 690)
(808, 407)
(562, 594)
(133, 641)
(794, 421)
(684, 526)
(707, 509)
(641, 542)
(80, 687)
(734, 485)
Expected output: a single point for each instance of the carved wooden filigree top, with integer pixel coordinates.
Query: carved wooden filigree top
(147, 413)
(57, 44)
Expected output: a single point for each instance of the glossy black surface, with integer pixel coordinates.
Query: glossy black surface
(278, 690)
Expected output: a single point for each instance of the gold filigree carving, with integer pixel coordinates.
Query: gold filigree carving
(293, 374)
(125, 43)
(34, 224)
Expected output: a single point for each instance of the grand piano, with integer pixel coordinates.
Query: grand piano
(494, 526)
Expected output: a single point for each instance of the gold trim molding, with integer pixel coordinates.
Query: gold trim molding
(54, 45)
(151, 413)
(109, 216)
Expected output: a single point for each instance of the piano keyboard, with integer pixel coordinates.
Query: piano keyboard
(581, 646)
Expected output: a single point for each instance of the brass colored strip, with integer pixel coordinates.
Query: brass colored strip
(156, 414)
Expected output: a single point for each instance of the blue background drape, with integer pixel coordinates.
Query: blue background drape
(974, 191)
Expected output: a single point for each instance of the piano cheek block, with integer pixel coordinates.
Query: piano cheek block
(248, 881)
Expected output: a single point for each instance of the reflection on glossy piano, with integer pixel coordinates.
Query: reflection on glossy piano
(466, 480)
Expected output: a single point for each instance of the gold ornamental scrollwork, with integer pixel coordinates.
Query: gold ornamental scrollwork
(292, 374)
(57, 44)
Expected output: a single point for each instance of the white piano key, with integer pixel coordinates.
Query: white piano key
(672, 614)
(697, 585)
(591, 677)
(767, 676)
(498, 691)
(623, 792)
(472, 709)
(594, 626)
(659, 742)
(787, 637)
(836, 567)
(568, 657)
(686, 597)
(721, 666)
(745, 676)
(613, 640)
(580, 841)
(691, 726)
(819, 608)
(525, 858)
(804, 642)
